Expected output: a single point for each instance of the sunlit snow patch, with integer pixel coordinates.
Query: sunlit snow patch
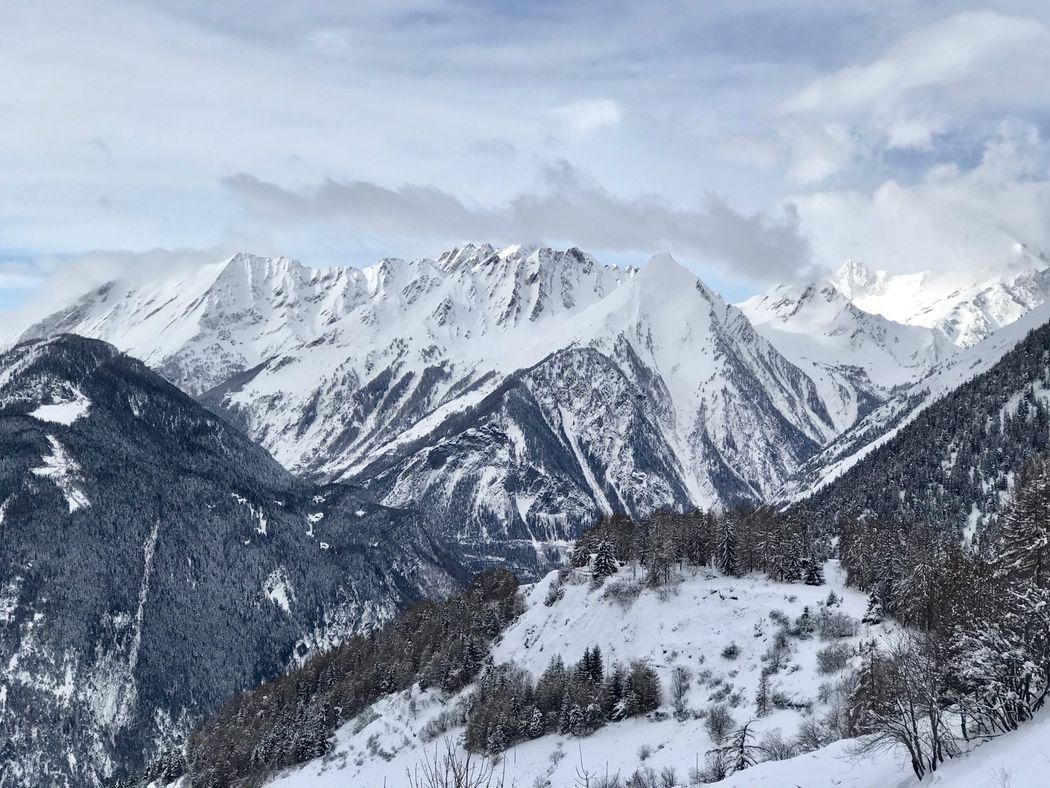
(64, 412)
(64, 471)
(279, 590)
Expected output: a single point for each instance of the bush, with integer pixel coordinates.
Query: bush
(833, 658)
(776, 747)
(622, 592)
(718, 722)
(732, 651)
(555, 592)
(833, 624)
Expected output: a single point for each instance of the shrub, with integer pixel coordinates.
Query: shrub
(718, 722)
(833, 658)
(833, 624)
(555, 592)
(622, 592)
(732, 651)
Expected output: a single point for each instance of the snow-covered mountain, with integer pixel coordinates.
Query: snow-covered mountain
(518, 392)
(154, 561)
(963, 308)
(947, 446)
(817, 325)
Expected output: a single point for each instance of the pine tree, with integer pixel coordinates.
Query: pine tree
(580, 556)
(535, 728)
(875, 613)
(762, 695)
(814, 573)
(1025, 544)
(604, 560)
(727, 561)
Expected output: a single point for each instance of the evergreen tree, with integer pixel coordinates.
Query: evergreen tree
(604, 560)
(1025, 543)
(726, 558)
(762, 695)
(875, 613)
(580, 556)
(814, 573)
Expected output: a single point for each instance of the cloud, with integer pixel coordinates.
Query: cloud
(567, 207)
(498, 148)
(52, 282)
(955, 219)
(954, 74)
(584, 117)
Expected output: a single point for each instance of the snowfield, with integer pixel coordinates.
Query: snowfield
(687, 624)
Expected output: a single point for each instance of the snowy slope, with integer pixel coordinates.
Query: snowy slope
(816, 323)
(889, 419)
(495, 383)
(962, 308)
(1017, 760)
(689, 627)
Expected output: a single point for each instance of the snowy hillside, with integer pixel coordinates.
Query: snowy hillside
(528, 389)
(891, 418)
(692, 624)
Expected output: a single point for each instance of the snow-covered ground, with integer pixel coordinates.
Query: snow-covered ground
(689, 624)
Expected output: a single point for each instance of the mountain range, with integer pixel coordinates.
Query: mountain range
(302, 452)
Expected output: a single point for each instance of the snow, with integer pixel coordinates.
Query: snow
(479, 315)
(64, 412)
(60, 468)
(278, 589)
(963, 308)
(688, 625)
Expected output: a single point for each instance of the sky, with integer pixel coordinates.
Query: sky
(759, 141)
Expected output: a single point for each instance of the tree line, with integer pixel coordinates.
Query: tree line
(974, 662)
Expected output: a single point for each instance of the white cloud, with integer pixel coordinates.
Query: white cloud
(951, 74)
(952, 219)
(567, 207)
(584, 117)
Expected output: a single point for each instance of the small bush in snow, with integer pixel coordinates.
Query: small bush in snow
(668, 777)
(732, 651)
(622, 592)
(804, 625)
(446, 720)
(779, 618)
(833, 658)
(555, 591)
(776, 748)
(718, 722)
(644, 752)
(833, 624)
(642, 778)
(810, 736)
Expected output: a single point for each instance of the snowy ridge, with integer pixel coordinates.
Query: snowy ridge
(409, 377)
(962, 309)
(886, 421)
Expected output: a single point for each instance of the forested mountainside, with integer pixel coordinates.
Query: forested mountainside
(154, 561)
(683, 650)
(453, 382)
(952, 464)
